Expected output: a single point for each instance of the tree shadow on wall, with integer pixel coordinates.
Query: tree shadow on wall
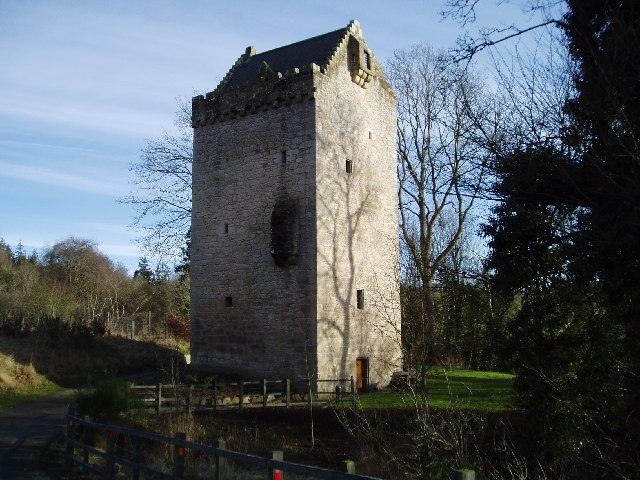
(344, 201)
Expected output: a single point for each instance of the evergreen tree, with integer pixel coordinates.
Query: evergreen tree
(567, 238)
(144, 271)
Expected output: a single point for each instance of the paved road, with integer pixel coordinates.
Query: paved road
(25, 430)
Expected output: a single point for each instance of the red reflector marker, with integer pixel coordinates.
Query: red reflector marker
(277, 475)
(181, 452)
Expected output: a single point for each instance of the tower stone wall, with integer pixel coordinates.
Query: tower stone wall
(294, 230)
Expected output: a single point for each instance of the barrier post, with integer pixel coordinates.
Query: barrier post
(348, 466)
(463, 474)
(273, 473)
(71, 432)
(179, 453)
(110, 453)
(220, 461)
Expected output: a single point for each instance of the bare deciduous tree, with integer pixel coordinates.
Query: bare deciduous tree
(539, 15)
(446, 120)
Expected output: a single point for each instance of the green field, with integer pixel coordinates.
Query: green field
(490, 391)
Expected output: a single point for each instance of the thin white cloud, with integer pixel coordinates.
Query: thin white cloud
(78, 114)
(112, 250)
(56, 178)
(27, 244)
(110, 227)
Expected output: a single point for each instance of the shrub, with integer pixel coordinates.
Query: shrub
(106, 402)
(178, 327)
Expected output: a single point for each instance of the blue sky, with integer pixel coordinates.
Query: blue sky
(84, 85)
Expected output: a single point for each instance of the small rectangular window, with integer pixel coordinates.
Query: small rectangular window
(228, 301)
(226, 228)
(360, 299)
(349, 166)
(367, 60)
(370, 135)
(283, 156)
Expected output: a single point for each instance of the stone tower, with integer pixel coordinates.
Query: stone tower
(294, 230)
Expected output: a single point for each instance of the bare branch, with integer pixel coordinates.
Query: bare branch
(163, 188)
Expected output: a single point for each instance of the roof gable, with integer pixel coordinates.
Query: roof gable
(317, 50)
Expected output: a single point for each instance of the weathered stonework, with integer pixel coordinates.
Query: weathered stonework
(294, 213)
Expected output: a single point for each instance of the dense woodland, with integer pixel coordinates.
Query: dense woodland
(552, 160)
(73, 287)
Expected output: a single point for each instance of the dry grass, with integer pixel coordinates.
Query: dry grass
(20, 382)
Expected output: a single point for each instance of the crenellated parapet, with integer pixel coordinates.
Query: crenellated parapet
(269, 90)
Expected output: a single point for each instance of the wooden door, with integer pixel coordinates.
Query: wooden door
(362, 374)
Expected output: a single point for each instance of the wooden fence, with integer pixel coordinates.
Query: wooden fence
(182, 397)
(115, 452)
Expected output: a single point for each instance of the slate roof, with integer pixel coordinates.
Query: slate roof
(300, 54)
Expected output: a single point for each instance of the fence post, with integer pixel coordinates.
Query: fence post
(288, 391)
(178, 456)
(189, 398)
(158, 396)
(353, 393)
(215, 396)
(220, 461)
(463, 474)
(348, 466)
(85, 442)
(110, 451)
(241, 400)
(71, 431)
(273, 473)
(264, 393)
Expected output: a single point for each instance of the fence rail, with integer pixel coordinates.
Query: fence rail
(182, 397)
(110, 460)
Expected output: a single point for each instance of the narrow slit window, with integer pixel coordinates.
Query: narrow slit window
(360, 299)
(370, 135)
(367, 60)
(348, 166)
(228, 301)
(283, 156)
(226, 228)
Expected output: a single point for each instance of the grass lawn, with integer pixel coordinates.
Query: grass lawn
(490, 391)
